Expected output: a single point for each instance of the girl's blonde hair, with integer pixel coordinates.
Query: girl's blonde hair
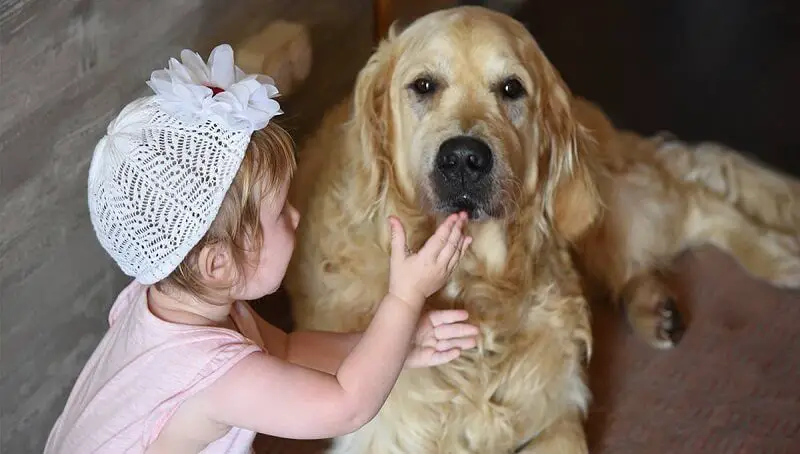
(268, 164)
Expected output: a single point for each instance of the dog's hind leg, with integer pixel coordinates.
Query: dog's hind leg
(739, 205)
(638, 236)
(641, 237)
(764, 252)
(769, 197)
(689, 198)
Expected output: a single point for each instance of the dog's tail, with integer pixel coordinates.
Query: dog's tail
(767, 196)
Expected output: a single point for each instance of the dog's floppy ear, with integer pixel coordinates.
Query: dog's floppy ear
(567, 175)
(371, 120)
(575, 202)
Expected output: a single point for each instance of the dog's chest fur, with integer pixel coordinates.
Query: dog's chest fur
(527, 367)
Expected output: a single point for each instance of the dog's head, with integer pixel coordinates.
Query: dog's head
(462, 111)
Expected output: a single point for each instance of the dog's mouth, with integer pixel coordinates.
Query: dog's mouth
(475, 209)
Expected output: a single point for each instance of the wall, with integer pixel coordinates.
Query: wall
(66, 68)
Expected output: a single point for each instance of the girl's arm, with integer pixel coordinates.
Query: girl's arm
(439, 338)
(320, 350)
(323, 351)
(271, 396)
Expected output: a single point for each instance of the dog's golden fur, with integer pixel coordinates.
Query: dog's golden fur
(570, 194)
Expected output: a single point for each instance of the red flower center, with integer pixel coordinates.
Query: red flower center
(215, 90)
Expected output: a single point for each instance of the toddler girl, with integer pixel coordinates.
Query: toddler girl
(187, 193)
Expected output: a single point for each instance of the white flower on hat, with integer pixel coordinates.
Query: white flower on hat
(192, 90)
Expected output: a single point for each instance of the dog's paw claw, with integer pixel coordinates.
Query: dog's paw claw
(671, 327)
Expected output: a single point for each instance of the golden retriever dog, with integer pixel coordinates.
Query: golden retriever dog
(462, 111)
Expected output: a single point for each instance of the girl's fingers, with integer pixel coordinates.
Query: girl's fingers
(442, 357)
(399, 249)
(463, 343)
(451, 247)
(439, 239)
(455, 330)
(442, 317)
(464, 246)
(451, 265)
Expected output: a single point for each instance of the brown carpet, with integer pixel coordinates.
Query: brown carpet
(731, 386)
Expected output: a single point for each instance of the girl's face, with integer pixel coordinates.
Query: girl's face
(279, 221)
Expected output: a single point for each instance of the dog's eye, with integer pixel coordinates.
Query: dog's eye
(423, 86)
(513, 89)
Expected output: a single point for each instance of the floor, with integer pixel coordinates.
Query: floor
(725, 70)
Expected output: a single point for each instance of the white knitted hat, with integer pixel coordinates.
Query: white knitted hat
(159, 175)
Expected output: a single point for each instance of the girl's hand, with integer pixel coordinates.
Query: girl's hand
(413, 277)
(440, 338)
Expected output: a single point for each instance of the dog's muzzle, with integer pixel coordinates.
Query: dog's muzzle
(462, 175)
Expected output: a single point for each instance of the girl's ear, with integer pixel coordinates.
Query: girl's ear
(216, 265)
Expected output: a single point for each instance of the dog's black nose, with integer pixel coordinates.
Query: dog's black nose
(464, 157)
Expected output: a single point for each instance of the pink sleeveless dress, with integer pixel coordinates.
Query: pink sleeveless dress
(143, 369)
